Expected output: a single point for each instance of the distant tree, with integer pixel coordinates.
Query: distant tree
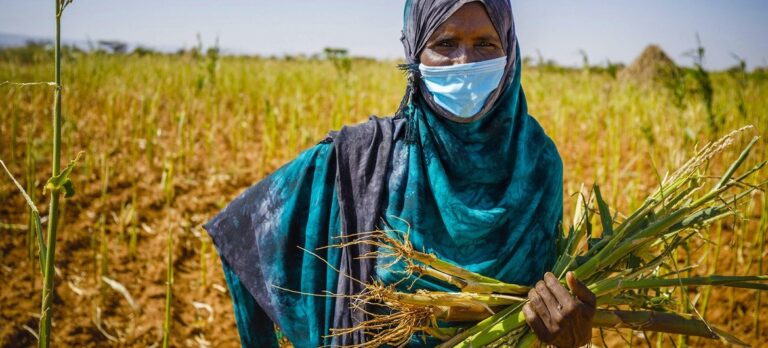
(613, 68)
(32, 52)
(527, 61)
(340, 58)
(113, 46)
(760, 73)
(584, 60)
(144, 51)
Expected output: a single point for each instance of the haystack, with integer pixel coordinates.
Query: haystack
(652, 66)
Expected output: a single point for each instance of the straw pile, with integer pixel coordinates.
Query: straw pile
(652, 66)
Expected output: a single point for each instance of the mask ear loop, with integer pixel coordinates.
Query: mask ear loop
(407, 108)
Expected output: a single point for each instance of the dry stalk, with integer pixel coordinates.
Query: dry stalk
(394, 245)
(394, 317)
(706, 153)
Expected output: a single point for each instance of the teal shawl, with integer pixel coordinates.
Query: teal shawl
(486, 195)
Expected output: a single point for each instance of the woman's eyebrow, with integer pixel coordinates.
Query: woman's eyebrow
(487, 37)
(444, 37)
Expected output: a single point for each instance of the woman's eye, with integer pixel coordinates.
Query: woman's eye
(444, 44)
(485, 44)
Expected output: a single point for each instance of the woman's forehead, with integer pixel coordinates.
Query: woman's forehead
(471, 18)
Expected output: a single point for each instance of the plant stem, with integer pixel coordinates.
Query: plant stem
(481, 326)
(760, 248)
(53, 212)
(514, 321)
(660, 322)
(460, 299)
(31, 227)
(648, 321)
(708, 291)
(446, 267)
(168, 293)
(617, 284)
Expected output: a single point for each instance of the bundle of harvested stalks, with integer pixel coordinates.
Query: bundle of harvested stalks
(628, 266)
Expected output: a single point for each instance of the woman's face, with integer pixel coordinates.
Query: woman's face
(467, 36)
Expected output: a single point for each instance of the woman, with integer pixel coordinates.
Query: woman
(462, 162)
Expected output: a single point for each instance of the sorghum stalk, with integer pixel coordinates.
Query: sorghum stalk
(53, 211)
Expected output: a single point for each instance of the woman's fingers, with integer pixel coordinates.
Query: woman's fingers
(536, 301)
(535, 322)
(580, 290)
(562, 295)
(554, 307)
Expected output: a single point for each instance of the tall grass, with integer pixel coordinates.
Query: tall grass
(259, 114)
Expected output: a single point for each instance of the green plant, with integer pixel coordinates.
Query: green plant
(739, 73)
(704, 85)
(629, 266)
(168, 292)
(53, 211)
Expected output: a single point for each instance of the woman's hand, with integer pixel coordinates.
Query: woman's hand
(556, 316)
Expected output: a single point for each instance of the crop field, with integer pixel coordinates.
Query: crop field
(169, 140)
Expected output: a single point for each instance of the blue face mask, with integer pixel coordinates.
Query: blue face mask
(462, 89)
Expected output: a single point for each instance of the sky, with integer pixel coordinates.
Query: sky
(615, 30)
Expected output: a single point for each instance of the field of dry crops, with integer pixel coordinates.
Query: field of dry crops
(169, 140)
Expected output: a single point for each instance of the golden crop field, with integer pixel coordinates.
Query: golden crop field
(169, 140)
